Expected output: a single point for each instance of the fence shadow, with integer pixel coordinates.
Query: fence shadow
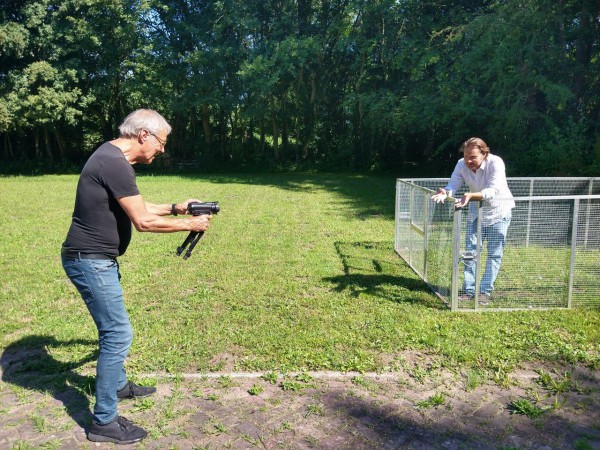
(373, 268)
(28, 363)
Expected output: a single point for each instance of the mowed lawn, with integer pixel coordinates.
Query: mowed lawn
(297, 272)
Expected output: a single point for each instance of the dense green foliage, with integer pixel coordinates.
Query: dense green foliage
(378, 84)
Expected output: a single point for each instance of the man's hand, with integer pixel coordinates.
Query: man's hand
(182, 208)
(466, 198)
(440, 197)
(462, 202)
(199, 223)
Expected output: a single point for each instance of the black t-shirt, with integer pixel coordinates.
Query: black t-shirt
(99, 223)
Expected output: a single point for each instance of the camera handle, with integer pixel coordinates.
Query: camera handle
(192, 239)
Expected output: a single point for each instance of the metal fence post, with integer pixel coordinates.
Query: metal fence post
(410, 240)
(456, 229)
(478, 255)
(573, 252)
(425, 235)
(587, 214)
(397, 216)
(527, 231)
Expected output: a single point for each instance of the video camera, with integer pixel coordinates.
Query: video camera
(197, 209)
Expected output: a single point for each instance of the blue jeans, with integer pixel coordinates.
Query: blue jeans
(97, 280)
(495, 235)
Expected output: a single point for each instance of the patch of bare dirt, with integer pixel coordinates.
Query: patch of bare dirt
(400, 410)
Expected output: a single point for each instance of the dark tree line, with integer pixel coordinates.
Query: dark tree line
(337, 84)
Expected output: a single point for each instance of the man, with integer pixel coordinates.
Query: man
(485, 175)
(106, 204)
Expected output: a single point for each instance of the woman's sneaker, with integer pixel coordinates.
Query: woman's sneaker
(119, 431)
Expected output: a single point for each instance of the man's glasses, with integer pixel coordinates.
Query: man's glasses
(160, 141)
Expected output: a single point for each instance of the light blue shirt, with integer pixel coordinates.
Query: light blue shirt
(490, 180)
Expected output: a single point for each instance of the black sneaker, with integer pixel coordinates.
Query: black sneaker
(132, 390)
(119, 431)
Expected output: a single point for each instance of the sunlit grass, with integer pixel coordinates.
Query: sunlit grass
(298, 272)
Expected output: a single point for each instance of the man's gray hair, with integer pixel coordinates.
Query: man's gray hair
(143, 119)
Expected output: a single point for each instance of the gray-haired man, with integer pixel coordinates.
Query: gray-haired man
(107, 203)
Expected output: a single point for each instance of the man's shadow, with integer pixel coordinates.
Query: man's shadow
(28, 363)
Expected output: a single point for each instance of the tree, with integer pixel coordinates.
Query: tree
(377, 84)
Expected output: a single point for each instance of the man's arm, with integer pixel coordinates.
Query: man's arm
(166, 209)
(159, 210)
(496, 179)
(456, 181)
(145, 220)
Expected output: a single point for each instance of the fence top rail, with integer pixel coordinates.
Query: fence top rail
(421, 188)
(410, 180)
(551, 197)
(519, 198)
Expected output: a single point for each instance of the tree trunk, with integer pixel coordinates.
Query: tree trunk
(37, 144)
(8, 147)
(222, 132)
(262, 134)
(206, 126)
(47, 144)
(298, 140)
(284, 126)
(275, 139)
(60, 142)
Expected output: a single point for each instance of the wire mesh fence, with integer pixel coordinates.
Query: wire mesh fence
(549, 258)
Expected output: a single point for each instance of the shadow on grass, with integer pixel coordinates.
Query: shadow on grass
(29, 364)
(379, 285)
(367, 195)
(373, 268)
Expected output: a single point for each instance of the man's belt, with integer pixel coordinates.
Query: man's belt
(79, 255)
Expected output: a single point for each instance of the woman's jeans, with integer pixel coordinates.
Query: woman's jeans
(97, 280)
(495, 235)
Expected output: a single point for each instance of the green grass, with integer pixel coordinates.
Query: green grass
(298, 272)
(256, 389)
(527, 408)
(558, 384)
(434, 401)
